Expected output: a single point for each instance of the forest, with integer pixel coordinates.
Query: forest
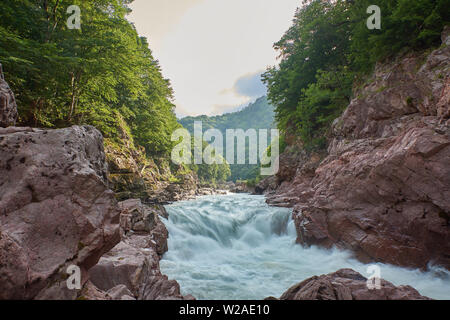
(329, 51)
(257, 115)
(103, 74)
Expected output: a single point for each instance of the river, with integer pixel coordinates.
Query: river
(235, 247)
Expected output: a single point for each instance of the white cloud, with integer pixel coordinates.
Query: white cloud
(210, 44)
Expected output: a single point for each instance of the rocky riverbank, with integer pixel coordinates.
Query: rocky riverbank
(382, 190)
(347, 284)
(130, 271)
(56, 210)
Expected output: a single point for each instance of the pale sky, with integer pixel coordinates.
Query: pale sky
(213, 51)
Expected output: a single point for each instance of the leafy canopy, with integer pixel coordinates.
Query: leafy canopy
(329, 48)
(89, 76)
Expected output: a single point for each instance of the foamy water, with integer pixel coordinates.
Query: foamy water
(237, 247)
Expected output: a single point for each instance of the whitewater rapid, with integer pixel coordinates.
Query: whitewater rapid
(236, 247)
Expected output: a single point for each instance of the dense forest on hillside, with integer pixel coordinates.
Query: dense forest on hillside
(100, 74)
(329, 50)
(257, 115)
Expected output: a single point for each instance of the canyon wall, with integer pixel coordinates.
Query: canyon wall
(383, 188)
(135, 175)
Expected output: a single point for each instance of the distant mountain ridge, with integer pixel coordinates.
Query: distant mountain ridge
(257, 115)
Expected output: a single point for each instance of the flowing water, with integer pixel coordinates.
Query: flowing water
(237, 247)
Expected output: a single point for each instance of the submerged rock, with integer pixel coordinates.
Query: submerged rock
(347, 284)
(55, 209)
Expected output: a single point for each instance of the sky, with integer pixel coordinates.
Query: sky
(213, 51)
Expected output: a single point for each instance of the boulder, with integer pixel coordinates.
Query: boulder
(124, 265)
(137, 218)
(8, 106)
(91, 292)
(131, 269)
(347, 284)
(55, 209)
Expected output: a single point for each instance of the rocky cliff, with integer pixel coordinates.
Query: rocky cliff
(383, 188)
(56, 210)
(131, 270)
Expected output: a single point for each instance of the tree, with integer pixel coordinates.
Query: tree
(89, 76)
(329, 46)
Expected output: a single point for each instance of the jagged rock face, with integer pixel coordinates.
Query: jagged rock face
(131, 269)
(8, 106)
(55, 209)
(383, 191)
(347, 284)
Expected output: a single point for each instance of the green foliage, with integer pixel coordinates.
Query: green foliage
(317, 40)
(405, 25)
(258, 115)
(322, 102)
(210, 173)
(63, 77)
(329, 46)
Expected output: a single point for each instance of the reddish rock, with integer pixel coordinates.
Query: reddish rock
(138, 270)
(55, 209)
(383, 190)
(134, 263)
(120, 292)
(141, 225)
(347, 284)
(8, 106)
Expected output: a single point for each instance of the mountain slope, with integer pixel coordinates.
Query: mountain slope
(257, 115)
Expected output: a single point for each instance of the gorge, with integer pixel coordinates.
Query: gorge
(87, 181)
